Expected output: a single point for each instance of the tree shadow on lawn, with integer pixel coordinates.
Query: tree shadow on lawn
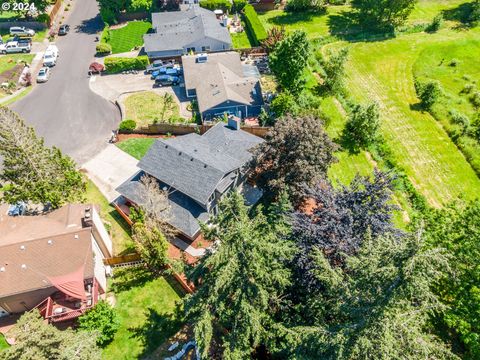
(291, 18)
(157, 329)
(461, 14)
(346, 26)
(129, 277)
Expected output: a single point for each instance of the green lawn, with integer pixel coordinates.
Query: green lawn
(382, 72)
(147, 107)
(332, 22)
(3, 343)
(126, 38)
(240, 40)
(147, 310)
(119, 229)
(8, 62)
(137, 147)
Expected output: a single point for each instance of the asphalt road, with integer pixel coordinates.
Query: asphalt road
(64, 110)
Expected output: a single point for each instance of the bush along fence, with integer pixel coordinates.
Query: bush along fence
(183, 129)
(254, 24)
(118, 64)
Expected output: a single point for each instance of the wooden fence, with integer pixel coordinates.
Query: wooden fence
(183, 129)
(54, 11)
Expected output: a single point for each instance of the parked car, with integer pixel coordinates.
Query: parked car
(174, 70)
(64, 29)
(95, 68)
(22, 31)
(166, 80)
(15, 47)
(43, 75)
(158, 64)
(50, 56)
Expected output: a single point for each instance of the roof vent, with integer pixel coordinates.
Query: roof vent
(180, 153)
(76, 236)
(2, 269)
(191, 159)
(24, 266)
(50, 242)
(205, 166)
(22, 247)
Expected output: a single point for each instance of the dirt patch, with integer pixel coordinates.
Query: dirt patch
(123, 137)
(183, 336)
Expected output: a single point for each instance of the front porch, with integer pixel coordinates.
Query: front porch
(60, 307)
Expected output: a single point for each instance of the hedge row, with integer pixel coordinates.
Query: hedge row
(224, 5)
(119, 64)
(254, 25)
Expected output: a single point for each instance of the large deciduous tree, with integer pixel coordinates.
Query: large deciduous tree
(289, 60)
(296, 153)
(338, 221)
(242, 279)
(37, 340)
(383, 14)
(33, 172)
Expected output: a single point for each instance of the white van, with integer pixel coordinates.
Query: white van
(51, 55)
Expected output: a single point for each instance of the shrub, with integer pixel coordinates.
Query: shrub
(305, 5)
(239, 5)
(103, 48)
(102, 318)
(43, 18)
(254, 24)
(435, 24)
(459, 118)
(453, 62)
(127, 125)
(119, 64)
(467, 89)
(475, 99)
(428, 93)
(224, 5)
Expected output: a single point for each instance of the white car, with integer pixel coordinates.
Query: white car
(21, 31)
(15, 47)
(50, 56)
(43, 75)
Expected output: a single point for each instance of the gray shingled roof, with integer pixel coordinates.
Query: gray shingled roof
(194, 164)
(185, 213)
(175, 30)
(226, 80)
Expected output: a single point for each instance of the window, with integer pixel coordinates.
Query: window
(190, 49)
(205, 48)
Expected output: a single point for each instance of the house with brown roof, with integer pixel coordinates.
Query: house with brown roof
(53, 262)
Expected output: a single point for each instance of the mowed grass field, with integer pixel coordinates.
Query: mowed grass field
(383, 72)
(331, 23)
(126, 38)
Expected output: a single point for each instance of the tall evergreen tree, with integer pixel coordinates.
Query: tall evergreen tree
(33, 172)
(456, 228)
(296, 153)
(37, 340)
(242, 280)
(378, 307)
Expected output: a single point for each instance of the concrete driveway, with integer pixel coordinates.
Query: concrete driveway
(64, 110)
(117, 87)
(109, 169)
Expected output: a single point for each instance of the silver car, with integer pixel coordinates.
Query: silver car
(21, 31)
(43, 75)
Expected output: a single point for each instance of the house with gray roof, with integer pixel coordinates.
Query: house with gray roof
(222, 85)
(192, 29)
(196, 171)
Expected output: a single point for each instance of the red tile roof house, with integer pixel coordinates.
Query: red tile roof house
(53, 262)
